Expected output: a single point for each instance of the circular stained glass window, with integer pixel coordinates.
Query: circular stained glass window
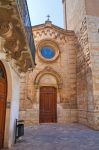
(47, 52)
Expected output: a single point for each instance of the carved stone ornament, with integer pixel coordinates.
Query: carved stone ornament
(13, 32)
(48, 70)
(6, 29)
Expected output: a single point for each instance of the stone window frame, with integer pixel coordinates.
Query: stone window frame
(51, 44)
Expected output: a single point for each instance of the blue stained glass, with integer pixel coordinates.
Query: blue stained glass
(47, 52)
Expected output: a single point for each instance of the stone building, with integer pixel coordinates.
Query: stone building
(16, 56)
(50, 91)
(82, 16)
(64, 86)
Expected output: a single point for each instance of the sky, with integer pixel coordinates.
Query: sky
(39, 9)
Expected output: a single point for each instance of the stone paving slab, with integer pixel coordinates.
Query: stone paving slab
(58, 137)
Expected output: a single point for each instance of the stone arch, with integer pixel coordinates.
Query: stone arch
(8, 102)
(54, 81)
(3, 100)
(49, 42)
(48, 70)
(48, 80)
(12, 105)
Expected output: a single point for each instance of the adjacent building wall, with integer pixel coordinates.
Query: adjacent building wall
(75, 12)
(93, 35)
(12, 104)
(14, 112)
(83, 18)
(92, 7)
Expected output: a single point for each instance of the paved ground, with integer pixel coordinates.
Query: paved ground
(59, 137)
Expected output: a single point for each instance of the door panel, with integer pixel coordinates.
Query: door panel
(48, 105)
(3, 93)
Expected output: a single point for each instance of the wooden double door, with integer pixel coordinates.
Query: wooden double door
(48, 105)
(3, 96)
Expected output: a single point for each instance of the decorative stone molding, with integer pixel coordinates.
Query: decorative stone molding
(1, 43)
(48, 70)
(24, 61)
(52, 32)
(6, 29)
(48, 43)
(13, 33)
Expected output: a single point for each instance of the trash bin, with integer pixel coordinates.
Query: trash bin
(19, 131)
(20, 128)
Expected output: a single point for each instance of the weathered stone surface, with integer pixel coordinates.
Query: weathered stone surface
(76, 67)
(60, 73)
(83, 18)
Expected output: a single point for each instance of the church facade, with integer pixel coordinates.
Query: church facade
(50, 92)
(65, 82)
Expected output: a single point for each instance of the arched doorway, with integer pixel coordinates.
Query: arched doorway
(48, 105)
(3, 97)
(48, 84)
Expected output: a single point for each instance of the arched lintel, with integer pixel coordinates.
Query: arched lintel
(51, 71)
(48, 41)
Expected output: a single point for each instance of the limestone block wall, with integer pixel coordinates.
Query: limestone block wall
(83, 18)
(75, 13)
(92, 7)
(77, 21)
(84, 75)
(93, 36)
(64, 65)
(29, 109)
